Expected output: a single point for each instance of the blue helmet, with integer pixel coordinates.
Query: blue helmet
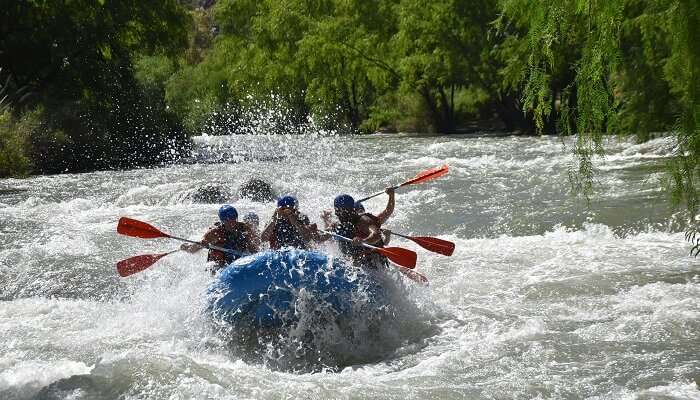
(359, 207)
(227, 212)
(344, 201)
(287, 201)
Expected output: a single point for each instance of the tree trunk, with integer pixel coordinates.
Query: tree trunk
(512, 115)
(448, 124)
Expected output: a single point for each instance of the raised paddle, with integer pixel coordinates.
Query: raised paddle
(136, 264)
(433, 244)
(398, 255)
(424, 176)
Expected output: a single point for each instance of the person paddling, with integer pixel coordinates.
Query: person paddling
(288, 227)
(388, 210)
(229, 234)
(361, 228)
(386, 233)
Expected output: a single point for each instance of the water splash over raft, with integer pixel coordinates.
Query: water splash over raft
(304, 310)
(262, 289)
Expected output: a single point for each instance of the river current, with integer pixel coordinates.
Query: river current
(546, 295)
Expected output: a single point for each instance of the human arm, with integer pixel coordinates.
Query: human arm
(300, 222)
(384, 215)
(209, 238)
(327, 220)
(386, 237)
(328, 224)
(253, 243)
(266, 235)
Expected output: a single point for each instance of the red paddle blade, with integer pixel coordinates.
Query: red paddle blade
(403, 257)
(427, 175)
(136, 264)
(435, 245)
(415, 276)
(135, 228)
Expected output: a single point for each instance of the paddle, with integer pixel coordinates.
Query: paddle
(406, 259)
(424, 176)
(139, 263)
(433, 244)
(135, 228)
(398, 255)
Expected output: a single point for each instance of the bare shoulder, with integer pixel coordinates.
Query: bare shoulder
(366, 220)
(213, 233)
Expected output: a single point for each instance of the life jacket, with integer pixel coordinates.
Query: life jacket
(348, 229)
(375, 219)
(361, 255)
(287, 235)
(233, 240)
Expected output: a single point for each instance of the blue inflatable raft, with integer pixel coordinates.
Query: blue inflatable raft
(262, 289)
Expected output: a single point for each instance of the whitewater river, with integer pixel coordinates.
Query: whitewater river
(544, 297)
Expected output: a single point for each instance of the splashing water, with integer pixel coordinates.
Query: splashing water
(544, 296)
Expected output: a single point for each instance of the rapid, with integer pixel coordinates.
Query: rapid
(546, 295)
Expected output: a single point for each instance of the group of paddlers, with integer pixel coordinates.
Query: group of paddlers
(289, 228)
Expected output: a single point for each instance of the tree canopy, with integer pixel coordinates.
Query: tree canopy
(77, 60)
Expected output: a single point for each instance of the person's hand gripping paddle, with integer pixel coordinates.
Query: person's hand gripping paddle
(424, 176)
(405, 259)
(135, 228)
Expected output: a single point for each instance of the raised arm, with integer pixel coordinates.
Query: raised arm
(384, 215)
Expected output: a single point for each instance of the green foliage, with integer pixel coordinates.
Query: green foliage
(684, 66)
(398, 112)
(440, 50)
(77, 58)
(341, 59)
(13, 141)
(116, 83)
(152, 72)
(636, 65)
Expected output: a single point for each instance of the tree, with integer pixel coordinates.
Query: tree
(77, 59)
(618, 43)
(441, 49)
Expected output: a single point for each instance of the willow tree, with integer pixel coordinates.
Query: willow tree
(626, 50)
(76, 57)
(252, 62)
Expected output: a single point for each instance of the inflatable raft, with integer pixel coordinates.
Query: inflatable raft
(262, 289)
